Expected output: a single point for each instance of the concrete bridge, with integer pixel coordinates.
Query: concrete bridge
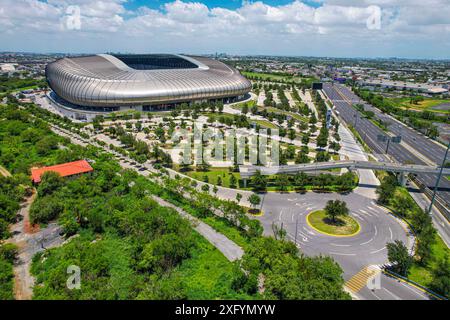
(401, 169)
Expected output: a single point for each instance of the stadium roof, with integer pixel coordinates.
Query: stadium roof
(131, 80)
(64, 169)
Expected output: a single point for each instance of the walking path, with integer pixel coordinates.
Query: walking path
(30, 240)
(228, 248)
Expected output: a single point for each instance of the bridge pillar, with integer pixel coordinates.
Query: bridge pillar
(402, 178)
(245, 183)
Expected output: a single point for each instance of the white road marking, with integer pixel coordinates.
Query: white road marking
(304, 237)
(343, 254)
(309, 231)
(375, 295)
(376, 230)
(340, 245)
(390, 231)
(365, 212)
(376, 251)
(395, 296)
(361, 244)
(358, 216)
(416, 292)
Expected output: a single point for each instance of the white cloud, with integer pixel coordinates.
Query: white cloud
(335, 26)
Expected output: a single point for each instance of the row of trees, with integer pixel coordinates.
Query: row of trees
(301, 181)
(391, 195)
(420, 120)
(129, 247)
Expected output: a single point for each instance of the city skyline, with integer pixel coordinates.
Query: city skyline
(333, 28)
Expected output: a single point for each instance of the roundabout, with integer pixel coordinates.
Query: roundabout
(344, 226)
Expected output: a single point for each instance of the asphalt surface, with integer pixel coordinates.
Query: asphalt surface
(415, 148)
(367, 248)
(355, 253)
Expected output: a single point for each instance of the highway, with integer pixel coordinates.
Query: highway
(415, 147)
(404, 153)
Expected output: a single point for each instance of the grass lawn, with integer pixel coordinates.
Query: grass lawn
(296, 116)
(344, 226)
(213, 174)
(422, 274)
(426, 104)
(265, 124)
(277, 77)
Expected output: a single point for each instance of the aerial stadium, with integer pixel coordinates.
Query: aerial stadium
(83, 87)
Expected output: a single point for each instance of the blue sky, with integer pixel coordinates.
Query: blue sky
(229, 4)
(339, 28)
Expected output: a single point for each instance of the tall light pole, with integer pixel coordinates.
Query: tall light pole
(438, 179)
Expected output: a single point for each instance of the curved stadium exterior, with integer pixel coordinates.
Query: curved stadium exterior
(106, 83)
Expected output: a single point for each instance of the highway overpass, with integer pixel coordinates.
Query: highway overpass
(247, 171)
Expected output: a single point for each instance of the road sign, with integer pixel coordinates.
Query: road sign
(381, 138)
(397, 139)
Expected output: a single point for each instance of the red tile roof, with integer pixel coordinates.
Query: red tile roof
(64, 169)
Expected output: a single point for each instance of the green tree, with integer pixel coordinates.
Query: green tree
(425, 241)
(233, 181)
(259, 182)
(282, 182)
(386, 189)
(441, 277)
(336, 208)
(399, 257)
(254, 200)
(50, 182)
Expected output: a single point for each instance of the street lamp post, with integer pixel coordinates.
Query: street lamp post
(438, 179)
(296, 230)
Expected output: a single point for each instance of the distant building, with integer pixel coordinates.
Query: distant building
(401, 85)
(64, 170)
(7, 67)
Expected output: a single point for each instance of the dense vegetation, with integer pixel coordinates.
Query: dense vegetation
(8, 253)
(430, 252)
(8, 84)
(129, 247)
(302, 181)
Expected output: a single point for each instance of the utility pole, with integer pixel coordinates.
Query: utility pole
(356, 119)
(438, 180)
(387, 145)
(296, 228)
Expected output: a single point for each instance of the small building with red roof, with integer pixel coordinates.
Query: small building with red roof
(64, 170)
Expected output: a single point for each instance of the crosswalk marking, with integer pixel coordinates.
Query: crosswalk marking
(359, 280)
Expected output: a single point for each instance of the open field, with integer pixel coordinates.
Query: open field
(425, 105)
(277, 77)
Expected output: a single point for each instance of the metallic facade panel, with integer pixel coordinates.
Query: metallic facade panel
(105, 81)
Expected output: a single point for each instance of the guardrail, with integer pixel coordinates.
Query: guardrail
(440, 204)
(415, 284)
(249, 170)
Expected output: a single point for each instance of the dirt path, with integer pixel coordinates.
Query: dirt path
(30, 239)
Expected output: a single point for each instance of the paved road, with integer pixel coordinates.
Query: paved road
(415, 147)
(403, 153)
(353, 253)
(228, 248)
